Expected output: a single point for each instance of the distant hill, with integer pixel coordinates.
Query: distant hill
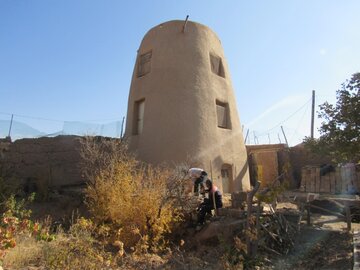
(18, 130)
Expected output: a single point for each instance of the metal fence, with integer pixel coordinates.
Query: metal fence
(18, 127)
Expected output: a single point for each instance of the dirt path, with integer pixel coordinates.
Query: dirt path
(319, 249)
(324, 245)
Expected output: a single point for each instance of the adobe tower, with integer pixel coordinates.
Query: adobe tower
(181, 104)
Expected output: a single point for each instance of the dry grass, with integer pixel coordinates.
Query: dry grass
(72, 250)
(27, 252)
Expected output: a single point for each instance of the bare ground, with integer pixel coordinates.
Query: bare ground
(323, 245)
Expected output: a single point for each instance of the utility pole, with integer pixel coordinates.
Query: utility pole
(312, 114)
(11, 122)
(247, 134)
(284, 136)
(122, 127)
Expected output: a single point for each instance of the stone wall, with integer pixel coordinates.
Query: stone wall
(4, 146)
(41, 163)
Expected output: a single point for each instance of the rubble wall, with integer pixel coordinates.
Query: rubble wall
(48, 162)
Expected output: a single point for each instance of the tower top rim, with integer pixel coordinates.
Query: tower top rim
(181, 23)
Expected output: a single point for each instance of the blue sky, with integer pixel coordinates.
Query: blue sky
(72, 60)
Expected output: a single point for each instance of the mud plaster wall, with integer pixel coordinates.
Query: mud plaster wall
(266, 162)
(180, 94)
(273, 157)
(48, 162)
(55, 161)
(300, 157)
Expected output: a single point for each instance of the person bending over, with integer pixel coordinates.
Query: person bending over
(198, 176)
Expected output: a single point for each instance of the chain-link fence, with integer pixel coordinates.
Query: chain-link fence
(18, 127)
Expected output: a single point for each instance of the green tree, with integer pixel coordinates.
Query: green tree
(340, 128)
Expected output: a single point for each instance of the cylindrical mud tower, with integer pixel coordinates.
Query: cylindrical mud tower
(182, 107)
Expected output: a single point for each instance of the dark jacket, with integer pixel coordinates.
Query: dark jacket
(215, 193)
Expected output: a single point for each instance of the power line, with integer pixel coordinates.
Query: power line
(301, 120)
(283, 121)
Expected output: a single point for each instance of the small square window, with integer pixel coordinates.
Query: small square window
(217, 65)
(144, 64)
(223, 118)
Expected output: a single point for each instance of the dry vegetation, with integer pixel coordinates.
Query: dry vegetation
(138, 219)
(134, 210)
(130, 203)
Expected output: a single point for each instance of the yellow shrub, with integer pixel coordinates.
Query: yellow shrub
(135, 202)
(129, 202)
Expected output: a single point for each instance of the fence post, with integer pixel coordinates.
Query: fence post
(348, 218)
(308, 220)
